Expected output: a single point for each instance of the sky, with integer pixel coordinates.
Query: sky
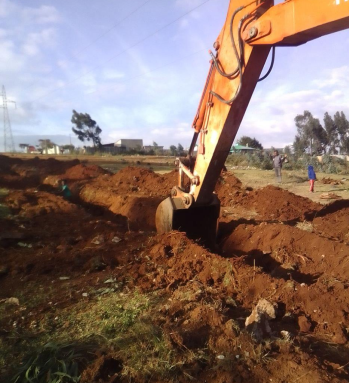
(139, 67)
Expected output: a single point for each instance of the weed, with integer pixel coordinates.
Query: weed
(55, 363)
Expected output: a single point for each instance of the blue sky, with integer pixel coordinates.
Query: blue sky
(138, 68)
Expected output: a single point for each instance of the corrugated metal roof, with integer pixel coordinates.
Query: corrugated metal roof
(241, 147)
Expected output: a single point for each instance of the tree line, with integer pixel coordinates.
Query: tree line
(314, 138)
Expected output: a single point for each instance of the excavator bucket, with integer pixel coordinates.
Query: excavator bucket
(198, 222)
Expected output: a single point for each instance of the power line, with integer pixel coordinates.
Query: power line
(125, 50)
(156, 69)
(114, 26)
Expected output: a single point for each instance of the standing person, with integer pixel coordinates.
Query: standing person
(277, 163)
(312, 178)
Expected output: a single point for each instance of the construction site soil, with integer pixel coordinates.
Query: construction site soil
(57, 254)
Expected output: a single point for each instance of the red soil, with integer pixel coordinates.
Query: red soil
(208, 296)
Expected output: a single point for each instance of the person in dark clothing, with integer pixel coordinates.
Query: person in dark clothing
(277, 164)
(312, 178)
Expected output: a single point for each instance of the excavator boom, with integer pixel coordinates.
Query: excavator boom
(251, 29)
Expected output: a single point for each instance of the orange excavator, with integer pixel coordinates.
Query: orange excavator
(251, 30)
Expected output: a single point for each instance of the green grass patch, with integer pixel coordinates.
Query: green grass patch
(123, 323)
(4, 210)
(55, 363)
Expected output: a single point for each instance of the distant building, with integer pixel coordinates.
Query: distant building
(129, 144)
(54, 150)
(111, 148)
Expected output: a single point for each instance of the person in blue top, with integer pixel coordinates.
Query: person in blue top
(312, 178)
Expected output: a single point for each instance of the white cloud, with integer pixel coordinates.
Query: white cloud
(6, 7)
(110, 74)
(188, 4)
(270, 117)
(338, 77)
(35, 42)
(44, 15)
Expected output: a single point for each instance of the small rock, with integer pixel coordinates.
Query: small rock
(85, 294)
(96, 264)
(230, 302)
(258, 322)
(64, 278)
(304, 324)
(286, 335)
(221, 357)
(116, 240)
(98, 240)
(12, 301)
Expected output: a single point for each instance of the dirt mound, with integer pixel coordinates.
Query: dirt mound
(76, 175)
(32, 203)
(330, 181)
(229, 189)
(17, 173)
(133, 192)
(313, 271)
(332, 221)
(176, 260)
(81, 171)
(144, 181)
(273, 203)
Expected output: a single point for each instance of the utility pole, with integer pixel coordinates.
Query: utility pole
(8, 137)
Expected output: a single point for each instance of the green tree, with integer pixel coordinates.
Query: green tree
(311, 137)
(250, 142)
(342, 125)
(24, 146)
(332, 134)
(287, 150)
(86, 128)
(68, 147)
(180, 150)
(173, 150)
(46, 144)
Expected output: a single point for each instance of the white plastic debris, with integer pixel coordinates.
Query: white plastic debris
(22, 244)
(116, 240)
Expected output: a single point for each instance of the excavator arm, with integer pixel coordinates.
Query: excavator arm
(251, 29)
